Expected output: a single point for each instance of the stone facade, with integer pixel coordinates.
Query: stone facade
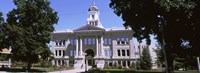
(95, 43)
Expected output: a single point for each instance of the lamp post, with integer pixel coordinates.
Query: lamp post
(85, 61)
(161, 22)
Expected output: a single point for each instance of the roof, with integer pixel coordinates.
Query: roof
(5, 51)
(89, 27)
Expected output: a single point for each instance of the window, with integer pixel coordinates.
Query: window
(74, 42)
(60, 42)
(71, 53)
(136, 53)
(119, 63)
(63, 62)
(110, 53)
(105, 52)
(96, 23)
(89, 41)
(118, 52)
(127, 41)
(118, 39)
(85, 41)
(118, 42)
(56, 52)
(105, 41)
(129, 64)
(71, 42)
(55, 62)
(63, 42)
(93, 41)
(128, 53)
(110, 63)
(124, 63)
(92, 16)
(109, 41)
(90, 23)
(56, 43)
(74, 52)
(60, 52)
(122, 42)
(58, 62)
(122, 39)
(123, 52)
(63, 52)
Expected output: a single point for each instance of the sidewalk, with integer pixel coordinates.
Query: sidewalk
(69, 71)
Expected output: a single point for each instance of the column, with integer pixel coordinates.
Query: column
(120, 52)
(97, 48)
(61, 62)
(76, 46)
(126, 64)
(81, 46)
(102, 51)
(132, 49)
(125, 52)
(61, 53)
(121, 63)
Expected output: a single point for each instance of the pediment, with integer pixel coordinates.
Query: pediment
(88, 27)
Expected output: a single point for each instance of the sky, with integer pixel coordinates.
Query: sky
(73, 13)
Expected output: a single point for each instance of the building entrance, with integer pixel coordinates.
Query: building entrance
(90, 57)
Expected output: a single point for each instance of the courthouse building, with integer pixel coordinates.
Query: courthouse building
(95, 43)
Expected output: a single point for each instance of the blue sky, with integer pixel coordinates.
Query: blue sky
(73, 13)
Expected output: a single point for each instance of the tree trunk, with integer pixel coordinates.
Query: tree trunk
(29, 64)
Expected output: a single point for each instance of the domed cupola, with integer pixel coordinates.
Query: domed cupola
(93, 18)
(93, 8)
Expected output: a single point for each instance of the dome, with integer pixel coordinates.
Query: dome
(93, 8)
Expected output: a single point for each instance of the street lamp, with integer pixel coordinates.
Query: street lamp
(161, 22)
(86, 63)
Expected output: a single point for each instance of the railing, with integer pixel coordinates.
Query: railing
(4, 63)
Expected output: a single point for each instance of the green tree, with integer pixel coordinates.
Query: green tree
(133, 65)
(1, 31)
(160, 59)
(138, 64)
(3, 42)
(28, 30)
(145, 62)
(179, 20)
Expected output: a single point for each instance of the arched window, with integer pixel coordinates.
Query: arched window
(92, 16)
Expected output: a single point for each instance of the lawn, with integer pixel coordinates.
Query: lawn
(134, 71)
(33, 69)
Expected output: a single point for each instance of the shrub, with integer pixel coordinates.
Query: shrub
(115, 65)
(106, 66)
(120, 67)
(132, 65)
(138, 65)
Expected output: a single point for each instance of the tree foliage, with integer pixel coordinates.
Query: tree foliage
(133, 65)
(180, 20)
(28, 30)
(2, 34)
(138, 64)
(145, 61)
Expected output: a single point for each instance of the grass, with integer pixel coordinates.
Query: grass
(33, 69)
(37, 69)
(134, 71)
